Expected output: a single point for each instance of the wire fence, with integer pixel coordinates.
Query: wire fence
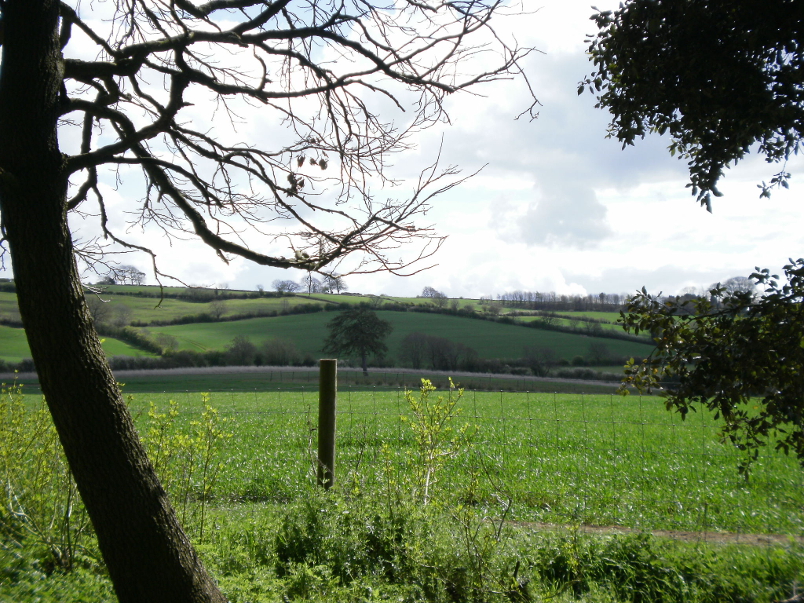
(582, 461)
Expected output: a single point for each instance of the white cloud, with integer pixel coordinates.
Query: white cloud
(566, 215)
(557, 207)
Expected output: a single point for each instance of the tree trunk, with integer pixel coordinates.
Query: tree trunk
(149, 557)
(364, 358)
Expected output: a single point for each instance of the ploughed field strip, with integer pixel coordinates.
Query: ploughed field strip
(617, 463)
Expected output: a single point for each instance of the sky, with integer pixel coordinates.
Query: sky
(557, 206)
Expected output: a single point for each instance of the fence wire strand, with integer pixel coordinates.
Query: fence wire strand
(599, 462)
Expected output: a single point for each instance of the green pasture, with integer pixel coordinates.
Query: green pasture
(570, 322)
(334, 298)
(308, 331)
(609, 316)
(426, 301)
(14, 346)
(149, 290)
(147, 309)
(8, 305)
(559, 459)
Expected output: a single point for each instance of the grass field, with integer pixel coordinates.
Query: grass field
(147, 309)
(8, 305)
(564, 459)
(609, 316)
(560, 459)
(560, 491)
(151, 290)
(570, 322)
(14, 346)
(307, 331)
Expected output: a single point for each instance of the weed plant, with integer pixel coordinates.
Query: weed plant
(46, 537)
(40, 509)
(185, 456)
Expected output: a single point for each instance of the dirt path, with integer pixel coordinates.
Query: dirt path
(686, 536)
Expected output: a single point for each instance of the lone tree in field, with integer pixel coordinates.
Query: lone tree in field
(111, 94)
(720, 76)
(357, 331)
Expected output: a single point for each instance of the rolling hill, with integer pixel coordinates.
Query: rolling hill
(307, 331)
(14, 346)
(213, 318)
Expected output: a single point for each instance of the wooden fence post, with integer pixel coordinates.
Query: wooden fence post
(327, 400)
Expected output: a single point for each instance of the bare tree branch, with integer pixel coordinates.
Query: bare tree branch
(321, 68)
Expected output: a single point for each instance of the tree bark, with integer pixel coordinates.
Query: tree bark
(149, 557)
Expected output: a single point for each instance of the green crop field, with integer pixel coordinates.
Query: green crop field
(570, 322)
(14, 346)
(556, 490)
(307, 331)
(150, 290)
(8, 305)
(562, 459)
(147, 309)
(333, 298)
(609, 316)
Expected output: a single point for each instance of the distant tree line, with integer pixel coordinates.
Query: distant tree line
(537, 300)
